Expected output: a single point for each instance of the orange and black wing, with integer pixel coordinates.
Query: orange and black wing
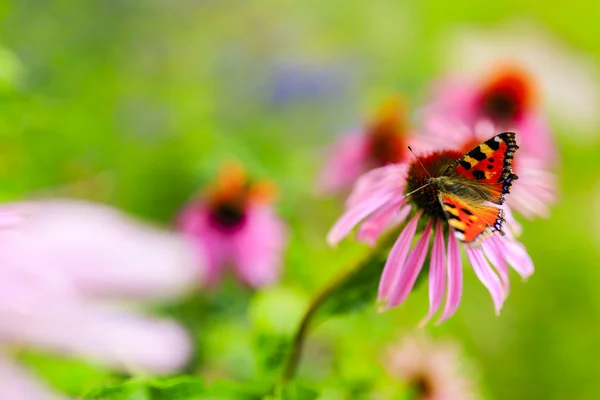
(471, 223)
(490, 163)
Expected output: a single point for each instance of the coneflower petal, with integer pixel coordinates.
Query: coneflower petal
(410, 271)
(437, 272)
(494, 254)
(389, 178)
(387, 216)
(354, 215)
(516, 255)
(455, 278)
(487, 276)
(397, 257)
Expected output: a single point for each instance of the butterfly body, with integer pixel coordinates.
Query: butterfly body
(470, 189)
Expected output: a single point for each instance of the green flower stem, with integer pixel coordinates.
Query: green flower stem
(299, 337)
(363, 276)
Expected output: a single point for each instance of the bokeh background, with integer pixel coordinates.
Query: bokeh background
(137, 104)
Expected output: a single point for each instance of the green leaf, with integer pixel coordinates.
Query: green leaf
(356, 290)
(177, 388)
(271, 351)
(174, 388)
(129, 390)
(293, 391)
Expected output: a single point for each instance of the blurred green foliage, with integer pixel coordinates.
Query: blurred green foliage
(137, 103)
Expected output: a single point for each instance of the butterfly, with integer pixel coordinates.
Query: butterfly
(466, 188)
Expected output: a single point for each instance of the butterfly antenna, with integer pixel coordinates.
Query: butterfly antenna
(425, 169)
(416, 190)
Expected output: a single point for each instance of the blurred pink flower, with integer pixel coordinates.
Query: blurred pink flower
(382, 142)
(432, 370)
(506, 99)
(378, 202)
(62, 261)
(537, 188)
(233, 223)
(566, 77)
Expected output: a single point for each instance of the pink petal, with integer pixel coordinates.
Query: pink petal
(209, 243)
(487, 276)
(412, 268)
(494, 255)
(397, 257)
(455, 278)
(105, 253)
(437, 273)
(258, 247)
(354, 215)
(347, 160)
(107, 336)
(18, 384)
(516, 255)
(377, 182)
(382, 219)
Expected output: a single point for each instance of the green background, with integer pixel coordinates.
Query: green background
(137, 103)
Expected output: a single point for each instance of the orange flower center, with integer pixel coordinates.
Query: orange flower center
(506, 97)
(386, 141)
(232, 193)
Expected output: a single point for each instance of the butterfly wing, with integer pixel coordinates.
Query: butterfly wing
(471, 223)
(490, 164)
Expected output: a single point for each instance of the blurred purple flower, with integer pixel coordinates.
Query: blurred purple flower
(291, 81)
(234, 224)
(378, 201)
(382, 142)
(432, 371)
(62, 261)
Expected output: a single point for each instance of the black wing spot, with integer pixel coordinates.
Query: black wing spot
(466, 211)
(477, 154)
(490, 166)
(491, 159)
(478, 174)
(450, 205)
(465, 164)
(493, 143)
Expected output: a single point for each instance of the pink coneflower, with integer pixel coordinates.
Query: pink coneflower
(382, 142)
(65, 264)
(566, 78)
(378, 202)
(233, 223)
(507, 98)
(431, 370)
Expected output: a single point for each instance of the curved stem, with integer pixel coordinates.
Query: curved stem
(300, 336)
(298, 342)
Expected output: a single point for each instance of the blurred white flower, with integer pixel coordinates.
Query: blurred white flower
(568, 79)
(62, 262)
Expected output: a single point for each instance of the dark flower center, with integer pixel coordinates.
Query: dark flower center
(386, 142)
(505, 99)
(436, 164)
(422, 387)
(228, 215)
(501, 106)
(386, 146)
